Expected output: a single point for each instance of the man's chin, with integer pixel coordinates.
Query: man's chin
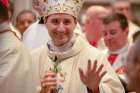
(112, 49)
(60, 42)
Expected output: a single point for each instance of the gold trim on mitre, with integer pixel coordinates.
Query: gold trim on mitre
(71, 7)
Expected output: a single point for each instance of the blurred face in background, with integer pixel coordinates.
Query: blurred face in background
(39, 6)
(24, 21)
(122, 7)
(114, 37)
(60, 27)
(93, 28)
(93, 22)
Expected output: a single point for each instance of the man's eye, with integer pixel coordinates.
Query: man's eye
(66, 22)
(113, 32)
(55, 21)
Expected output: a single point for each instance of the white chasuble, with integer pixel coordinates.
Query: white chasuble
(15, 76)
(68, 63)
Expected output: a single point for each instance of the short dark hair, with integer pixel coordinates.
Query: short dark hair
(116, 17)
(24, 12)
(4, 12)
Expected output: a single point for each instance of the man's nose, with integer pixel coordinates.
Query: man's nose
(61, 27)
(108, 37)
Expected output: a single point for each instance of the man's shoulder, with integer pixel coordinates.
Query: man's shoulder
(9, 41)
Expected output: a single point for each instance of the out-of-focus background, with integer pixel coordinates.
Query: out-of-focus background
(20, 5)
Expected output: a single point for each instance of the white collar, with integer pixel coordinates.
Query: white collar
(63, 48)
(121, 50)
(78, 45)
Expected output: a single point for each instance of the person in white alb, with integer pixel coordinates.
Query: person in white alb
(67, 63)
(15, 76)
(115, 35)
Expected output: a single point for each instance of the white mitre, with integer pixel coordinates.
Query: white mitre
(71, 7)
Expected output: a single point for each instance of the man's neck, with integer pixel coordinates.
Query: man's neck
(121, 50)
(62, 48)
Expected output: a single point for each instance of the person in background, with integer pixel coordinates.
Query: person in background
(115, 35)
(38, 6)
(24, 19)
(15, 76)
(124, 7)
(67, 63)
(93, 25)
(132, 66)
(36, 34)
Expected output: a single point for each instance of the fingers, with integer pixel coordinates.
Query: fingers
(94, 67)
(99, 71)
(81, 72)
(100, 68)
(50, 74)
(102, 75)
(82, 75)
(89, 65)
(49, 81)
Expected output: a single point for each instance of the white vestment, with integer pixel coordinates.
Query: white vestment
(133, 28)
(35, 36)
(118, 64)
(69, 63)
(15, 76)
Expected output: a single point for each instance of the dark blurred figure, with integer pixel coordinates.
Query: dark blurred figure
(133, 66)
